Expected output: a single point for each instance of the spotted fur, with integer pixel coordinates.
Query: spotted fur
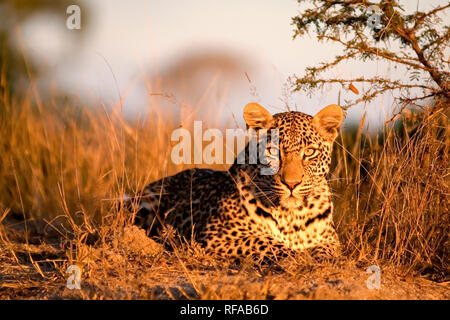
(240, 212)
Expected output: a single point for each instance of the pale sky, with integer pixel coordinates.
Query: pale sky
(138, 37)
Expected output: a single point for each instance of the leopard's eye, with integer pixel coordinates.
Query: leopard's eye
(271, 151)
(310, 152)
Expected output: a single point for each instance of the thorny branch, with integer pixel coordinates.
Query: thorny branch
(420, 37)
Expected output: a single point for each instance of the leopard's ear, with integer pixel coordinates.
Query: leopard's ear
(328, 120)
(257, 117)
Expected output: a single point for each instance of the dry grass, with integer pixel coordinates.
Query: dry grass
(64, 166)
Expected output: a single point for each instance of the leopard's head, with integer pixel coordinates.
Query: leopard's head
(302, 157)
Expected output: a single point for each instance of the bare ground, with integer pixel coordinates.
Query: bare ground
(132, 266)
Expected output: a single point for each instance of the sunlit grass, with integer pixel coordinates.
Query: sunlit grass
(64, 167)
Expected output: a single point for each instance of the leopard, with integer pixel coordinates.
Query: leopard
(245, 212)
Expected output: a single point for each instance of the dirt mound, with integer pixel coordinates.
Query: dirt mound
(134, 240)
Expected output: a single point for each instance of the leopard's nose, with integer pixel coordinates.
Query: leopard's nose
(292, 173)
(291, 184)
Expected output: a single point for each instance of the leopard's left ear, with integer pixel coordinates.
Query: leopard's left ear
(328, 120)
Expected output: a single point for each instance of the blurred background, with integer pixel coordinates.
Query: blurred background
(193, 58)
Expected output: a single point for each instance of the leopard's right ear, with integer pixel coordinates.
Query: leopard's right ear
(257, 117)
(328, 121)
